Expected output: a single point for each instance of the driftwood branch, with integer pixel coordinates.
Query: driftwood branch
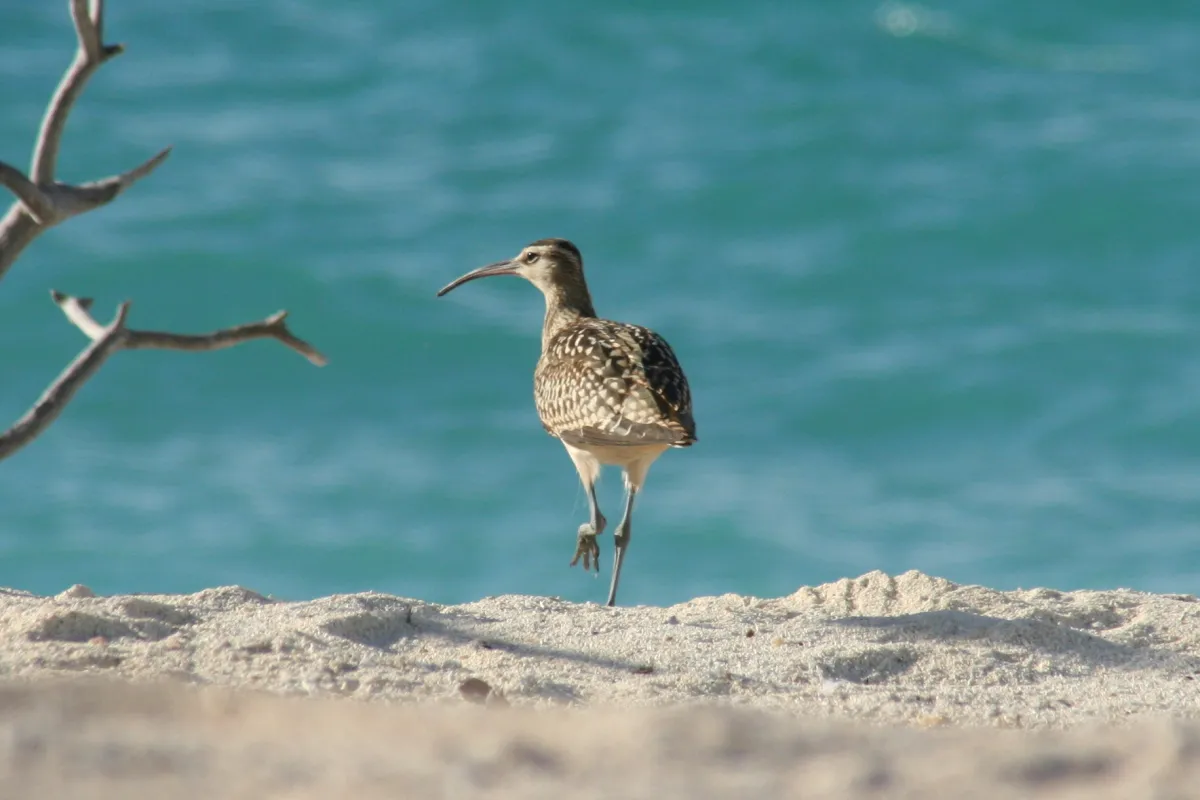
(108, 339)
(55, 399)
(36, 203)
(43, 202)
(92, 52)
(77, 310)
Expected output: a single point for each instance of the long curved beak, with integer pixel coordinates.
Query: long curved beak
(499, 268)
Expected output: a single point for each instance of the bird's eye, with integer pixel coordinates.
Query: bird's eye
(531, 257)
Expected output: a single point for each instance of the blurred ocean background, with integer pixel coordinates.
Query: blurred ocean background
(933, 270)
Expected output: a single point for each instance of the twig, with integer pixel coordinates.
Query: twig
(108, 339)
(273, 327)
(55, 398)
(42, 201)
(37, 204)
(71, 200)
(91, 54)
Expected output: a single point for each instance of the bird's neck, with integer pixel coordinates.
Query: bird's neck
(565, 305)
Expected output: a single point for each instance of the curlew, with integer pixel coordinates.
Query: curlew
(612, 393)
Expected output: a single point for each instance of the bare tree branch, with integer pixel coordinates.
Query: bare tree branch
(88, 23)
(56, 202)
(78, 312)
(71, 200)
(108, 339)
(37, 204)
(17, 231)
(55, 399)
(90, 55)
(273, 327)
(42, 201)
(96, 13)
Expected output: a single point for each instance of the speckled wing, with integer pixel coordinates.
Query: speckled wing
(603, 383)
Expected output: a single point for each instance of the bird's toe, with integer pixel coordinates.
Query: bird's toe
(587, 549)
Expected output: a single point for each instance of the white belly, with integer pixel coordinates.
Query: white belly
(635, 460)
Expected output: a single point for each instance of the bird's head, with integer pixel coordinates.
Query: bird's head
(553, 265)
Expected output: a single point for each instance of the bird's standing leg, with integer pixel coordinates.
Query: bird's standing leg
(621, 541)
(586, 547)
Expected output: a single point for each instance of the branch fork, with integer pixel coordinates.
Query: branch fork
(78, 312)
(115, 336)
(43, 202)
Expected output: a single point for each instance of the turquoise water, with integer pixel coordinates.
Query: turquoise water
(932, 272)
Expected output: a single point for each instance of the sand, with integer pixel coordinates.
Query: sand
(906, 686)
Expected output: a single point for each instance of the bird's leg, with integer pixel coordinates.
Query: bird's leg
(586, 548)
(621, 540)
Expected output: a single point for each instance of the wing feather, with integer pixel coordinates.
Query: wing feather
(612, 384)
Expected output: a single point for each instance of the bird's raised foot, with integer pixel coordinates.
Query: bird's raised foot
(587, 548)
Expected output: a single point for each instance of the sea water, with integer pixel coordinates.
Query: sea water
(932, 272)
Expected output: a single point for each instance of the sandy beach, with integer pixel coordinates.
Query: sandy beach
(881, 685)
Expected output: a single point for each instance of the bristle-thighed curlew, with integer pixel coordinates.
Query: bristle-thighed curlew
(611, 392)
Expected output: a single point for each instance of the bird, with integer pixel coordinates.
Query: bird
(612, 392)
